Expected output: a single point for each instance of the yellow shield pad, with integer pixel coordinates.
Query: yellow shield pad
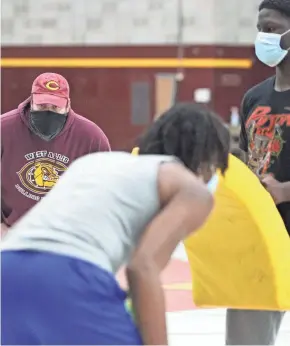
(241, 257)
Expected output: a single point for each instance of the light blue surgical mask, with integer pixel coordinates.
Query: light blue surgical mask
(268, 48)
(213, 183)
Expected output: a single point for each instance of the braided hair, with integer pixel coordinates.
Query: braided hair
(192, 133)
(282, 6)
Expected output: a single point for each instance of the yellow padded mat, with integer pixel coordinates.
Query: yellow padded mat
(241, 257)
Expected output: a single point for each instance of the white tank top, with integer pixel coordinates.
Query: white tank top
(96, 212)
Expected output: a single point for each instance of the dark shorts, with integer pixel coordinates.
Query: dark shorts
(49, 299)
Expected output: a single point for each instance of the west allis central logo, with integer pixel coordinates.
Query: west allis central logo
(40, 173)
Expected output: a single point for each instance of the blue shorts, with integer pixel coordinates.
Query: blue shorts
(49, 299)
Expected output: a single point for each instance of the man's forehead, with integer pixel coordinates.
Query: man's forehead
(44, 106)
(271, 16)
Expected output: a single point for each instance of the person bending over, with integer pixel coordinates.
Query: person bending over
(109, 210)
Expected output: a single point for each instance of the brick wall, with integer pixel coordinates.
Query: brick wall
(93, 22)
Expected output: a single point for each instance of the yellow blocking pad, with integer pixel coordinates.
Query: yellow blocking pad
(241, 257)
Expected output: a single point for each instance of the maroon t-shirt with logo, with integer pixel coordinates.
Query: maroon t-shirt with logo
(31, 166)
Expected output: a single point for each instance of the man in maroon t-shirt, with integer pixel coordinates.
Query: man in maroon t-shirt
(40, 139)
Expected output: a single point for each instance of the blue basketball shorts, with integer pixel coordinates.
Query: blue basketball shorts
(49, 299)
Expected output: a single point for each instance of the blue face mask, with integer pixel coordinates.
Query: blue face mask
(268, 48)
(213, 183)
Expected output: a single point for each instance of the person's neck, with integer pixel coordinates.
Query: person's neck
(282, 81)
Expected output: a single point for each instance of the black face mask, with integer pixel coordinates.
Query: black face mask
(47, 124)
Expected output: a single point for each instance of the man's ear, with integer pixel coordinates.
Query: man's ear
(285, 41)
(68, 105)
